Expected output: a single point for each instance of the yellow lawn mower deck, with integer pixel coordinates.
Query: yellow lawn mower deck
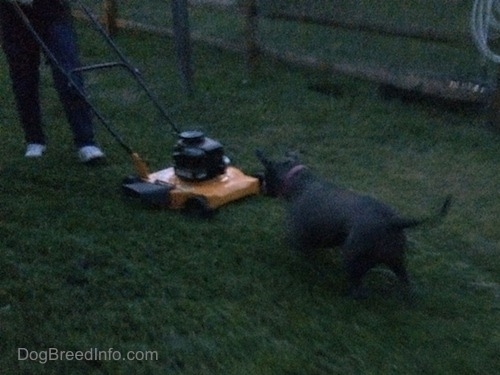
(165, 190)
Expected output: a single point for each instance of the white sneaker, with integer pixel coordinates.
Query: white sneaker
(34, 150)
(90, 153)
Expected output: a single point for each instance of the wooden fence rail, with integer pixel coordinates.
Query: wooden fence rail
(457, 90)
(428, 34)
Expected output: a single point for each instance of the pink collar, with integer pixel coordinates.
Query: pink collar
(289, 176)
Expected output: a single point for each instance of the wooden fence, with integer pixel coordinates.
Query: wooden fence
(450, 89)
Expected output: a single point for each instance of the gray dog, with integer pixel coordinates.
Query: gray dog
(321, 215)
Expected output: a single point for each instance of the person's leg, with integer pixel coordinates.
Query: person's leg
(23, 58)
(61, 41)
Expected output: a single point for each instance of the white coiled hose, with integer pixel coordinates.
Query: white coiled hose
(485, 25)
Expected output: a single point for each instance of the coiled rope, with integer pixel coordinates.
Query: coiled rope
(485, 25)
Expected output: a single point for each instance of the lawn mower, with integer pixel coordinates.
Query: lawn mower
(201, 178)
(200, 181)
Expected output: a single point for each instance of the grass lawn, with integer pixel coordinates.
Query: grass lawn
(82, 267)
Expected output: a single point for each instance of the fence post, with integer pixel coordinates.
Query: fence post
(251, 27)
(182, 39)
(110, 15)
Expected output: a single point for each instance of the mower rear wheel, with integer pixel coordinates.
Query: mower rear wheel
(198, 206)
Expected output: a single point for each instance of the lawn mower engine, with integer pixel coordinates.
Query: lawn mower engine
(198, 158)
(201, 179)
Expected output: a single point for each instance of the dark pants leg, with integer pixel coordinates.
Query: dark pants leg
(23, 57)
(61, 41)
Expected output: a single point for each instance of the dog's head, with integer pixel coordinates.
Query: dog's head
(278, 173)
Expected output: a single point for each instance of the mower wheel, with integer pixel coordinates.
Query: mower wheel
(198, 206)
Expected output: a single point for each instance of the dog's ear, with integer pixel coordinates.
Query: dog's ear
(262, 158)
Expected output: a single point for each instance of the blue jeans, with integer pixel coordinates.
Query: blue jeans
(53, 23)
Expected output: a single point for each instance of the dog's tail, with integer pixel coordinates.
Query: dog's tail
(404, 223)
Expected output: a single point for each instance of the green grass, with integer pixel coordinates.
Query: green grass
(82, 267)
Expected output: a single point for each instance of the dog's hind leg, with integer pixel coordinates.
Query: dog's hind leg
(357, 253)
(391, 252)
(356, 265)
(356, 269)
